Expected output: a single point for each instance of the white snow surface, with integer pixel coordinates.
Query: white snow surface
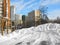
(46, 34)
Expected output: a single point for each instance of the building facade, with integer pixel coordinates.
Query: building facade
(5, 9)
(34, 18)
(5, 13)
(15, 18)
(18, 19)
(12, 12)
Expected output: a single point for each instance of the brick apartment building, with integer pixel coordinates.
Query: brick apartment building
(5, 13)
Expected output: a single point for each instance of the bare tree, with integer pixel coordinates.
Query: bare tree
(43, 10)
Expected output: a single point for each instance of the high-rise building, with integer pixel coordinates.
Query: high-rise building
(1, 7)
(34, 17)
(5, 9)
(5, 12)
(12, 13)
(18, 19)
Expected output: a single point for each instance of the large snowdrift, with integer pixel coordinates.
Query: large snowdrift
(46, 34)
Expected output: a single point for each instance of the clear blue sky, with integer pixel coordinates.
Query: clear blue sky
(26, 6)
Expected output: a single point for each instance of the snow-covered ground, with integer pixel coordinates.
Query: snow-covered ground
(46, 34)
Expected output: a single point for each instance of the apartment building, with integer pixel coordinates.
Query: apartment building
(34, 17)
(5, 13)
(5, 9)
(18, 19)
(0, 12)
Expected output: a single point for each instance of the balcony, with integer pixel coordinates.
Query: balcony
(1, 9)
(1, 12)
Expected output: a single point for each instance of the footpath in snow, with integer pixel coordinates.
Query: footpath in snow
(46, 34)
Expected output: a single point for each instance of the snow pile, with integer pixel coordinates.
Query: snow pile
(46, 34)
